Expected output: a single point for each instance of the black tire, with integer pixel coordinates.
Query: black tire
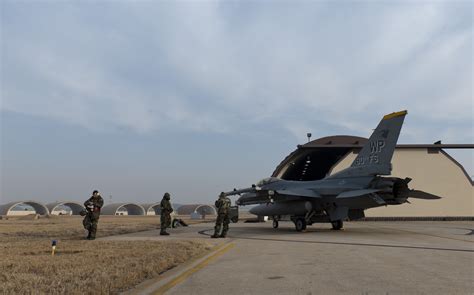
(275, 223)
(337, 225)
(300, 224)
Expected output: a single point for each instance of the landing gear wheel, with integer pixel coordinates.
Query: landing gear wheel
(275, 223)
(300, 224)
(337, 225)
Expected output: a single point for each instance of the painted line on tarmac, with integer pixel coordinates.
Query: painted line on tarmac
(424, 234)
(221, 250)
(470, 233)
(203, 232)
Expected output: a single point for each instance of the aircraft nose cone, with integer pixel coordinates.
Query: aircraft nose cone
(259, 210)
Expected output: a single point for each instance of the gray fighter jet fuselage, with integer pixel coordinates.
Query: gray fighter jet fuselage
(343, 195)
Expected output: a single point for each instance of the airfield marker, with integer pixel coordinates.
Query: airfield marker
(53, 245)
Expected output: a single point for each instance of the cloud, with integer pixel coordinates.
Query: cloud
(211, 66)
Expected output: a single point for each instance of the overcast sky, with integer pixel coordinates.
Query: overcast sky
(197, 97)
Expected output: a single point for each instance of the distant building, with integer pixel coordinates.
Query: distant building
(197, 210)
(65, 208)
(123, 209)
(23, 208)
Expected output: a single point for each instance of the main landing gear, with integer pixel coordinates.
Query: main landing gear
(275, 223)
(337, 224)
(300, 224)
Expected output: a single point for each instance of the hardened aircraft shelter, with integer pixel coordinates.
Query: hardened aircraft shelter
(6, 209)
(75, 207)
(200, 209)
(152, 209)
(123, 209)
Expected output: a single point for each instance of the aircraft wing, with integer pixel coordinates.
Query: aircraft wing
(298, 192)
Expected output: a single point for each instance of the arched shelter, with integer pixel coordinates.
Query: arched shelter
(115, 209)
(39, 207)
(76, 208)
(152, 209)
(206, 210)
(314, 160)
(197, 208)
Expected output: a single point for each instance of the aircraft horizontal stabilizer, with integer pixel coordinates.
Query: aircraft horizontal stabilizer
(364, 198)
(416, 194)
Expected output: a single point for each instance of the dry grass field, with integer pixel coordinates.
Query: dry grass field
(81, 266)
(70, 227)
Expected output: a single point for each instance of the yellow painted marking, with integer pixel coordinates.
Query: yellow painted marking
(182, 277)
(393, 115)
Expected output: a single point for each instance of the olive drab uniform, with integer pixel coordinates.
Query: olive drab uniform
(165, 218)
(93, 206)
(223, 206)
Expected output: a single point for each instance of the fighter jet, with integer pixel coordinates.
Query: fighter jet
(341, 196)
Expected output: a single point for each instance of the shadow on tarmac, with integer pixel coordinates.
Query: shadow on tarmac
(205, 232)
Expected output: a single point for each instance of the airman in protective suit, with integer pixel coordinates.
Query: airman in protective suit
(165, 218)
(91, 219)
(223, 205)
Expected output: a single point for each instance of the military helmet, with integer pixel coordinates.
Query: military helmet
(167, 196)
(222, 195)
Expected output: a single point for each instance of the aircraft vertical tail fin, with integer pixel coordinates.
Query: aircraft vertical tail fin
(376, 155)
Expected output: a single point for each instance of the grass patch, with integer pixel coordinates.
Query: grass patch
(80, 266)
(70, 227)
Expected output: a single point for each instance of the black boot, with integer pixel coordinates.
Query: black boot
(214, 236)
(164, 233)
(88, 236)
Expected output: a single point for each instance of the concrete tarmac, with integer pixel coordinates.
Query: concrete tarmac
(365, 258)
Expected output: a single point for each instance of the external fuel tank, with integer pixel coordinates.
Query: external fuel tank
(282, 208)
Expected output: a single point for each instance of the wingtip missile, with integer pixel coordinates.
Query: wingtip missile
(240, 191)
